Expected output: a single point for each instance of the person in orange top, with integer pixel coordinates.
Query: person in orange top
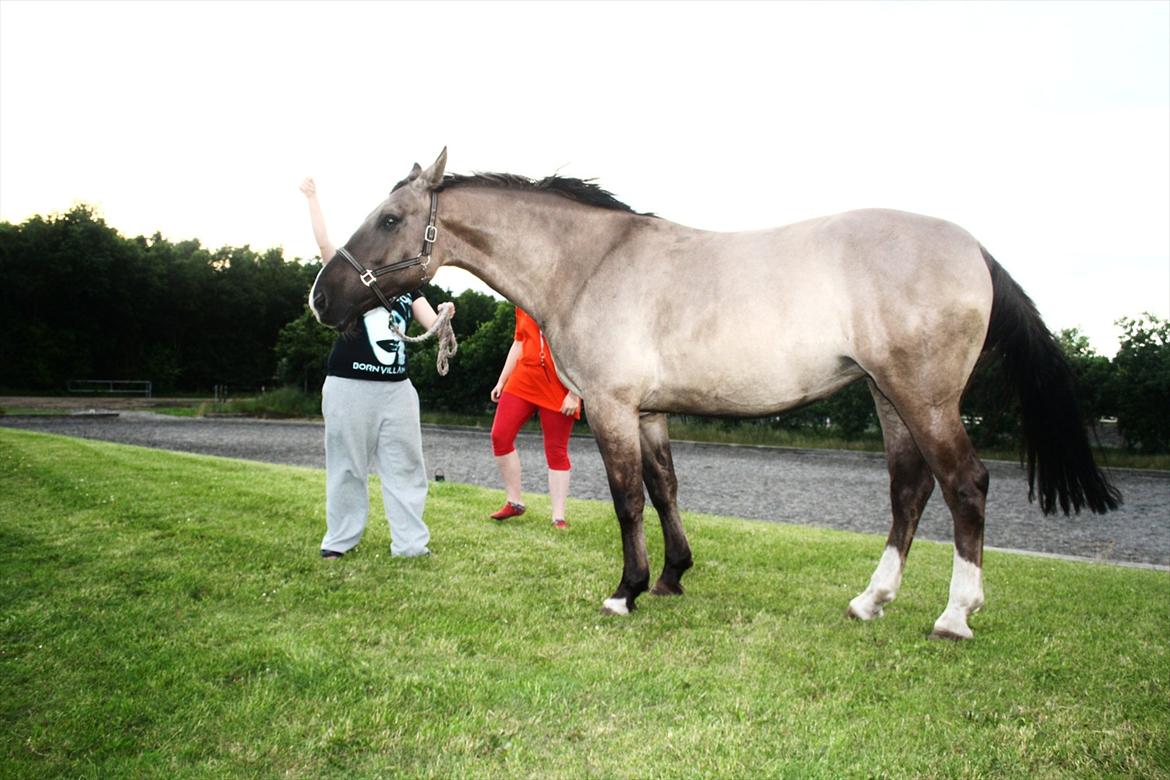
(529, 384)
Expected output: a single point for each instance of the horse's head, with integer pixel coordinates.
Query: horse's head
(390, 253)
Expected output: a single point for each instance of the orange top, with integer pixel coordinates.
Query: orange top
(535, 376)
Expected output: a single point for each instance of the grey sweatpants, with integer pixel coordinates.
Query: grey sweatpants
(373, 423)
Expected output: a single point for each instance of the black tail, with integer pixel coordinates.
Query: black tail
(1056, 446)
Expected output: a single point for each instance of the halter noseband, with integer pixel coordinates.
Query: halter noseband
(369, 276)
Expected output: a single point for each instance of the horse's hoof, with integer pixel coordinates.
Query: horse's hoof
(663, 589)
(615, 607)
(942, 633)
(952, 624)
(854, 612)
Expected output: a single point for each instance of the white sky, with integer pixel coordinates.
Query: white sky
(1042, 128)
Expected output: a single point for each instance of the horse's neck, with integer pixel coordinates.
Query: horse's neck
(537, 250)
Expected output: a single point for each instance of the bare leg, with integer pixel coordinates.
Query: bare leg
(509, 466)
(558, 491)
(661, 484)
(911, 484)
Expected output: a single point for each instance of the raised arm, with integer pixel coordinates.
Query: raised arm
(320, 234)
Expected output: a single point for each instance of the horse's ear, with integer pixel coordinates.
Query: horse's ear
(414, 174)
(433, 176)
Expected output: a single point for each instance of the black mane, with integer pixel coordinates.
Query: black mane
(580, 190)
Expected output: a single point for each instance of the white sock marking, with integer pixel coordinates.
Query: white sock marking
(966, 598)
(615, 606)
(883, 586)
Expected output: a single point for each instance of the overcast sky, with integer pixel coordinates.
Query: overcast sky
(1042, 128)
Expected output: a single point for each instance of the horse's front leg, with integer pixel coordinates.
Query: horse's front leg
(615, 426)
(662, 485)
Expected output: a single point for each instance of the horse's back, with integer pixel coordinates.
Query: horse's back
(759, 321)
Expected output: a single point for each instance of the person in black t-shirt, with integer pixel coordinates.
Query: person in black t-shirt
(372, 418)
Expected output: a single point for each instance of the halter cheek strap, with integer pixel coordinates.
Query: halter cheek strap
(369, 276)
(442, 324)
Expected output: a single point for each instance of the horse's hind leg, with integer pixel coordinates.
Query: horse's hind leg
(911, 484)
(964, 481)
(661, 484)
(939, 433)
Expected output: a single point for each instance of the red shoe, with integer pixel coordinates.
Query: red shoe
(509, 509)
(560, 524)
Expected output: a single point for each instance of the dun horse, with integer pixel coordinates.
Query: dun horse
(649, 317)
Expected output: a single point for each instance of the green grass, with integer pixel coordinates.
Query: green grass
(166, 615)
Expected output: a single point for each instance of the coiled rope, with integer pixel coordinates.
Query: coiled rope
(441, 327)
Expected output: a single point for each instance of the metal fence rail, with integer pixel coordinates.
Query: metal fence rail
(127, 386)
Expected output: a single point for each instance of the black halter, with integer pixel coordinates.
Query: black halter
(370, 275)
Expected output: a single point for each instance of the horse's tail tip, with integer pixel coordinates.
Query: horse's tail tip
(1099, 498)
(1110, 502)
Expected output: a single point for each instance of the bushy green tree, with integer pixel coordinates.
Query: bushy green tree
(1142, 387)
(472, 308)
(80, 301)
(473, 371)
(302, 352)
(851, 411)
(1092, 374)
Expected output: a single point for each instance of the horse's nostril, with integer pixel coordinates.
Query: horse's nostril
(319, 301)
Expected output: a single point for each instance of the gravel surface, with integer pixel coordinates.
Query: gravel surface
(832, 489)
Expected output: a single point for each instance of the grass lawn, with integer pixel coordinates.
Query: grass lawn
(166, 615)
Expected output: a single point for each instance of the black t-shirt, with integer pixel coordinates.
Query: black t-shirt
(373, 351)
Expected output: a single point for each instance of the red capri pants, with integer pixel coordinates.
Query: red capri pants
(513, 411)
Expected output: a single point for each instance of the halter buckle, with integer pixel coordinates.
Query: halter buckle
(430, 234)
(368, 278)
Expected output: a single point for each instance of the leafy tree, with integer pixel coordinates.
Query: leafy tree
(1143, 383)
(851, 411)
(473, 371)
(472, 309)
(70, 293)
(848, 413)
(1092, 373)
(82, 302)
(302, 352)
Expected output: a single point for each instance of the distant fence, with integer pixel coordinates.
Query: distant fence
(127, 386)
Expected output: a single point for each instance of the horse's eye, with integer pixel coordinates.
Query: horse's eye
(389, 222)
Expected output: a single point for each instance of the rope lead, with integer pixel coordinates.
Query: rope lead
(447, 344)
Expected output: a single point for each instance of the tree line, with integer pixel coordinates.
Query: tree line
(80, 301)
